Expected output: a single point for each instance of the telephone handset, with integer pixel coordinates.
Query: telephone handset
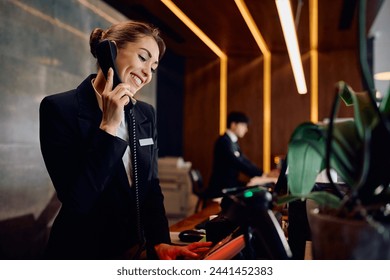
(106, 55)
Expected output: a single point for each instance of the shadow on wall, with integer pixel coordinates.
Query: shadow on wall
(25, 237)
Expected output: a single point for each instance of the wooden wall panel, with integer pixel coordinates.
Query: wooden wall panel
(201, 113)
(333, 67)
(288, 108)
(201, 118)
(245, 93)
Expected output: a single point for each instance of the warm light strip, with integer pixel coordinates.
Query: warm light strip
(267, 115)
(313, 14)
(223, 95)
(382, 76)
(223, 60)
(290, 36)
(266, 83)
(252, 27)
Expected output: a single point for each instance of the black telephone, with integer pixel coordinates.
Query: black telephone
(106, 55)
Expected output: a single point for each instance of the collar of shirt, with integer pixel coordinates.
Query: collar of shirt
(232, 136)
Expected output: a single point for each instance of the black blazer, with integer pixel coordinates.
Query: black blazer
(97, 219)
(227, 164)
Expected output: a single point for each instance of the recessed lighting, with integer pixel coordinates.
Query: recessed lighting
(290, 36)
(382, 76)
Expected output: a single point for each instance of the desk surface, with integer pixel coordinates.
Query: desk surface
(190, 222)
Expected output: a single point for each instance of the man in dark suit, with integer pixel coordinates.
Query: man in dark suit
(229, 161)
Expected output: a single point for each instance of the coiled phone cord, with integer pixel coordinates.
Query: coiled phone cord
(135, 176)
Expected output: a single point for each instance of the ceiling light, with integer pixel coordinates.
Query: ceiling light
(382, 76)
(290, 36)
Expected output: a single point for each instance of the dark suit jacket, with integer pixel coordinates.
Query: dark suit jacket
(227, 164)
(97, 219)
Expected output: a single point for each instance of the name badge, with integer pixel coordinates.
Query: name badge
(146, 142)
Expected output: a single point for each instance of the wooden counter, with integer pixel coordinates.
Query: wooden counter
(190, 222)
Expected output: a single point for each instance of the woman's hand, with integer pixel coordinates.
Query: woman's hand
(171, 252)
(114, 101)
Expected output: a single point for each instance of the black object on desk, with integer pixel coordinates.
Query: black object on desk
(202, 224)
(251, 210)
(218, 228)
(191, 235)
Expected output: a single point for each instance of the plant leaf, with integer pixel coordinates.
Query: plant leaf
(322, 198)
(325, 199)
(385, 104)
(365, 115)
(305, 158)
(345, 142)
(385, 109)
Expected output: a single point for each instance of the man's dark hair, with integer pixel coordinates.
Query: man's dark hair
(237, 117)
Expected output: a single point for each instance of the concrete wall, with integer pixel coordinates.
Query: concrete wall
(44, 49)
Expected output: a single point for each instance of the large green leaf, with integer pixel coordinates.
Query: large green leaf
(305, 158)
(345, 142)
(385, 104)
(350, 149)
(344, 132)
(385, 110)
(365, 114)
(357, 139)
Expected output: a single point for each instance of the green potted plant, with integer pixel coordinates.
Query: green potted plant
(358, 149)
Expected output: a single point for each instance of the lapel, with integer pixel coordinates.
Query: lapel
(89, 118)
(89, 113)
(144, 130)
(234, 146)
(141, 119)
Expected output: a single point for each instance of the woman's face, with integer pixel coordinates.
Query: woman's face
(137, 62)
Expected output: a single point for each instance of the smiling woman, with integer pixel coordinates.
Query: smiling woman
(103, 170)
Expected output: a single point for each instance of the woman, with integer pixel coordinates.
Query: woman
(112, 204)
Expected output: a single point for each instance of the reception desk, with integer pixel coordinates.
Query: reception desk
(190, 222)
(225, 249)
